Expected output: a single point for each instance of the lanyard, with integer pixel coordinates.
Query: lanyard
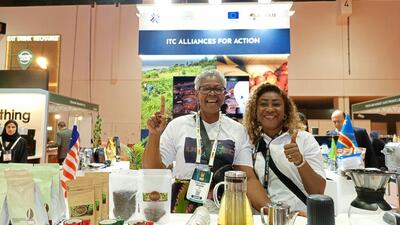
(12, 147)
(199, 143)
(265, 151)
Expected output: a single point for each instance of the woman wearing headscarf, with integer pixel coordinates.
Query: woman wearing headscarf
(288, 161)
(12, 145)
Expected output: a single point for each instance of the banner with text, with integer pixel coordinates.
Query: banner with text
(214, 42)
(28, 107)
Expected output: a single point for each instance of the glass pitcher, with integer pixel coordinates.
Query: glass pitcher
(235, 208)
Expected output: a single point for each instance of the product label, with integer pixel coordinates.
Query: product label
(81, 210)
(155, 196)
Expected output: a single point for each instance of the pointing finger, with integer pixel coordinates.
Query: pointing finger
(293, 137)
(162, 105)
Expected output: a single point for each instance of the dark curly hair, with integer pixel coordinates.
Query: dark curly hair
(254, 128)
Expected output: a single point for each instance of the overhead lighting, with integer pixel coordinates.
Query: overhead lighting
(214, 2)
(57, 116)
(42, 62)
(162, 2)
(264, 1)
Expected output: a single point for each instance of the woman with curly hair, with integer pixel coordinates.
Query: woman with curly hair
(283, 148)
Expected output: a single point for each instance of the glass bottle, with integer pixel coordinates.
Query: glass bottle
(201, 216)
(235, 208)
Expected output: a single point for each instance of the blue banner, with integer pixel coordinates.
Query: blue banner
(214, 42)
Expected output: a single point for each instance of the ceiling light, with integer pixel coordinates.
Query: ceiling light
(162, 2)
(42, 62)
(214, 2)
(264, 1)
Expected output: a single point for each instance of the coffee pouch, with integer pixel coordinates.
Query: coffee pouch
(123, 194)
(3, 204)
(43, 177)
(81, 200)
(24, 202)
(155, 194)
(58, 209)
(104, 178)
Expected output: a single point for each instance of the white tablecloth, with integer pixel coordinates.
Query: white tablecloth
(181, 219)
(341, 190)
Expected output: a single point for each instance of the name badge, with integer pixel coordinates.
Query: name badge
(7, 157)
(199, 185)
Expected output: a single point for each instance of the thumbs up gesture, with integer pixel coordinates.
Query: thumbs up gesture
(292, 151)
(156, 123)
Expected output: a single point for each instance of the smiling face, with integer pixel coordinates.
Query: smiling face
(11, 128)
(210, 95)
(271, 112)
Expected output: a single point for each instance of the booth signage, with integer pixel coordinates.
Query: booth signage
(378, 103)
(33, 38)
(30, 112)
(25, 58)
(214, 42)
(72, 102)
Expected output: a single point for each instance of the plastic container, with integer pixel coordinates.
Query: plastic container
(155, 194)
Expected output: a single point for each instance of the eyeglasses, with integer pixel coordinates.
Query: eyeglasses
(207, 90)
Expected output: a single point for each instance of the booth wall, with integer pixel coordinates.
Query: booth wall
(107, 35)
(318, 65)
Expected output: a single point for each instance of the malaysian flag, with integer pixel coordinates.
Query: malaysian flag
(71, 162)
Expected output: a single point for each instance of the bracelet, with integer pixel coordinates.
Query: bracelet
(302, 162)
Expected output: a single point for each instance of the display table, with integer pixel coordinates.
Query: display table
(181, 219)
(341, 190)
(52, 155)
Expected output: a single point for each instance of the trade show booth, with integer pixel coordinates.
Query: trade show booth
(31, 109)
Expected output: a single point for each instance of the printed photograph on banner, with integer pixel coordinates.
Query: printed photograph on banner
(272, 69)
(158, 79)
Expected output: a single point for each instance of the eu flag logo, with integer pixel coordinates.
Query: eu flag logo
(233, 15)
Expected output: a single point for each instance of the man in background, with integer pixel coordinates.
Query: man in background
(361, 135)
(63, 140)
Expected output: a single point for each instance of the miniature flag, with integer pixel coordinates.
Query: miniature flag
(71, 162)
(347, 138)
(332, 153)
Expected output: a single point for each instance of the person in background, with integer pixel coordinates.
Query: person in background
(274, 127)
(63, 140)
(178, 142)
(361, 135)
(378, 146)
(224, 107)
(303, 119)
(12, 145)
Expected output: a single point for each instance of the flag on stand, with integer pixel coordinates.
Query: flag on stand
(332, 152)
(347, 139)
(71, 162)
